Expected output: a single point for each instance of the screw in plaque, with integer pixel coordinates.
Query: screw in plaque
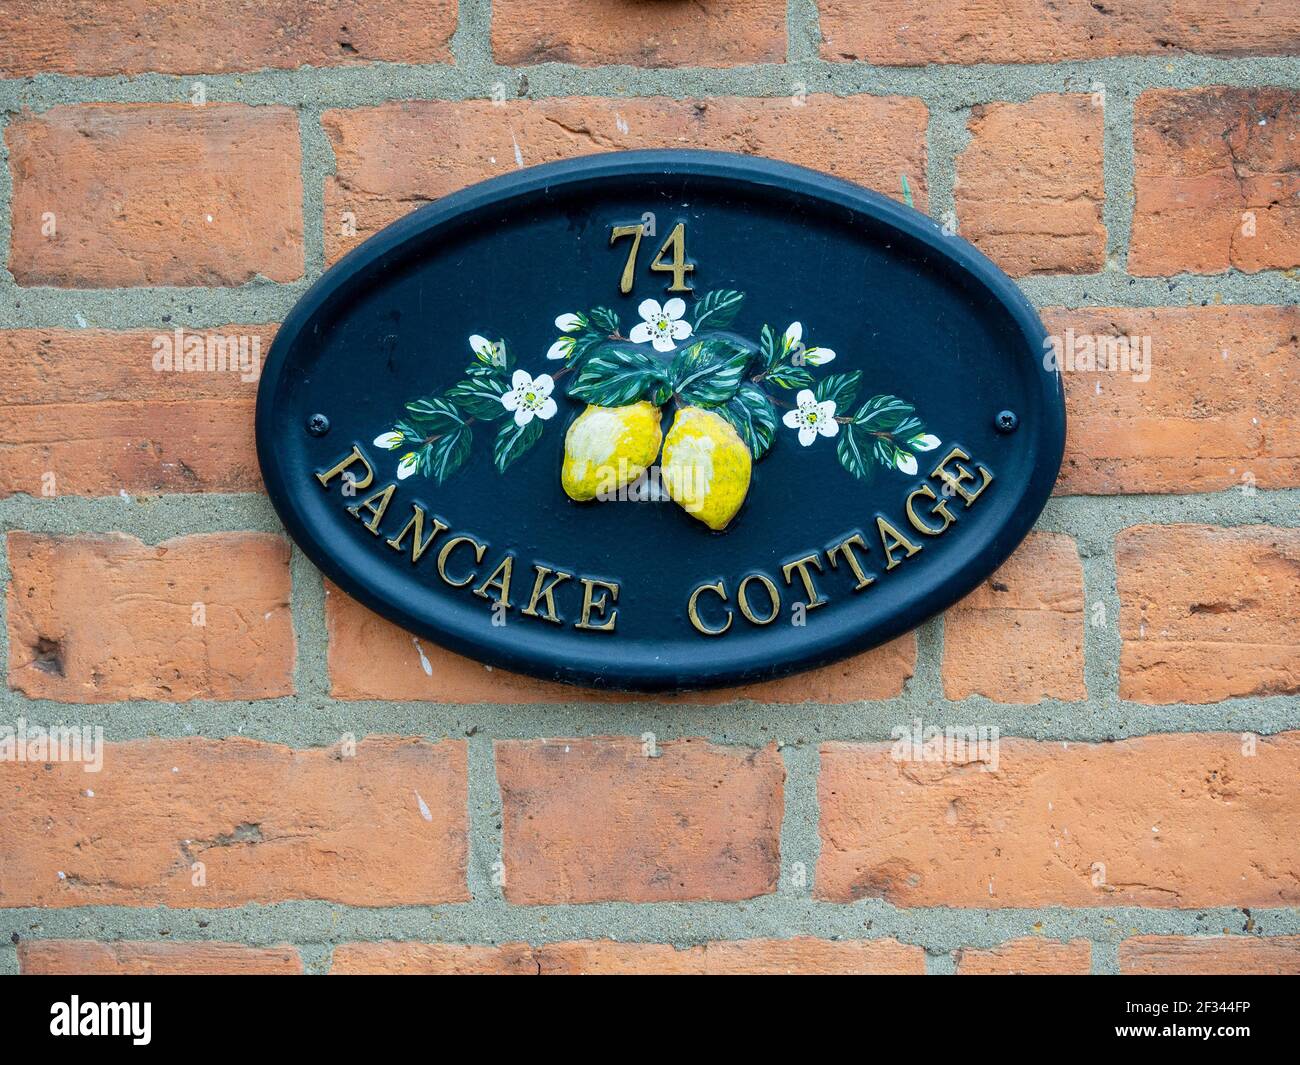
(1006, 421)
(318, 425)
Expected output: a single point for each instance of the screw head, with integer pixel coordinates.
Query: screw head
(318, 425)
(1006, 421)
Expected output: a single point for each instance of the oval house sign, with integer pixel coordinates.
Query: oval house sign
(660, 420)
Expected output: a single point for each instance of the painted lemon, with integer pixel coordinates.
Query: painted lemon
(706, 466)
(607, 448)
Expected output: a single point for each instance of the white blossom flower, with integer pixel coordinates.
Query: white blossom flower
(389, 441)
(905, 461)
(923, 442)
(561, 349)
(811, 418)
(487, 351)
(570, 323)
(793, 337)
(530, 397)
(662, 325)
(407, 466)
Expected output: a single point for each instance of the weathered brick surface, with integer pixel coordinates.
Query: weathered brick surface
(370, 658)
(1218, 409)
(1027, 956)
(1030, 956)
(383, 826)
(1034, 604)
(803, 955)
(87, 413)
(721, 33)
(399, 156)
(82, 957)
(590, 820)
(916, 32)
(1029, 185)
(1170, 820)
(1210, 955)
(108, 190)
(434, 959)
(122, 37)
(94, 619)
(1208, 613)
(1217, 180)
(155, 194)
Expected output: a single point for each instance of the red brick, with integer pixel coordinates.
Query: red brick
(594, 820)
(721, 33)
(917, 32)
(1208, 164)
(1218, 411)
(79, 957)
(1208, 613)
(384, 826)
(1030, 956)
(1029, 186)
(1018, 638)
(87, 408)
(1181, 821)
(156, 194)
(434, 959)
(1210, 955)
(370, 658)
(94, 619)
(398, 156)
(122, 37)
(800, 956)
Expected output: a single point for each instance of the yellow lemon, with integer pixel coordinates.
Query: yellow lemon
(706, 466)
(609, 447)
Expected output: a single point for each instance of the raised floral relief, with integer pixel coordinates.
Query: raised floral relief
(729, 396)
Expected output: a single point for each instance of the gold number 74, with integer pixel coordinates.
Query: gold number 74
(678, 267)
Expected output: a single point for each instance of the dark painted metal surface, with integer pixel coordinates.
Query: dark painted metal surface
(946, 351)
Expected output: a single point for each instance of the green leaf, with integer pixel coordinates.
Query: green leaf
(886, 414)
(409, 432)
(584, 345)
(717, 309)
(709, 372)
(769, 347)
(753, 414)
(441, 458)
(856, 451)
(605, 320)
(841, 388)
(617, 376)
(790, 377)
(513, 440)
(481, 396)
(661, 393)
(434, 415)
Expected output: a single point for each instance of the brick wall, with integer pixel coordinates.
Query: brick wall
(291, 784)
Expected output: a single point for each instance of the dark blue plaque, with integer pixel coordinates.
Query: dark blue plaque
(660, 420)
